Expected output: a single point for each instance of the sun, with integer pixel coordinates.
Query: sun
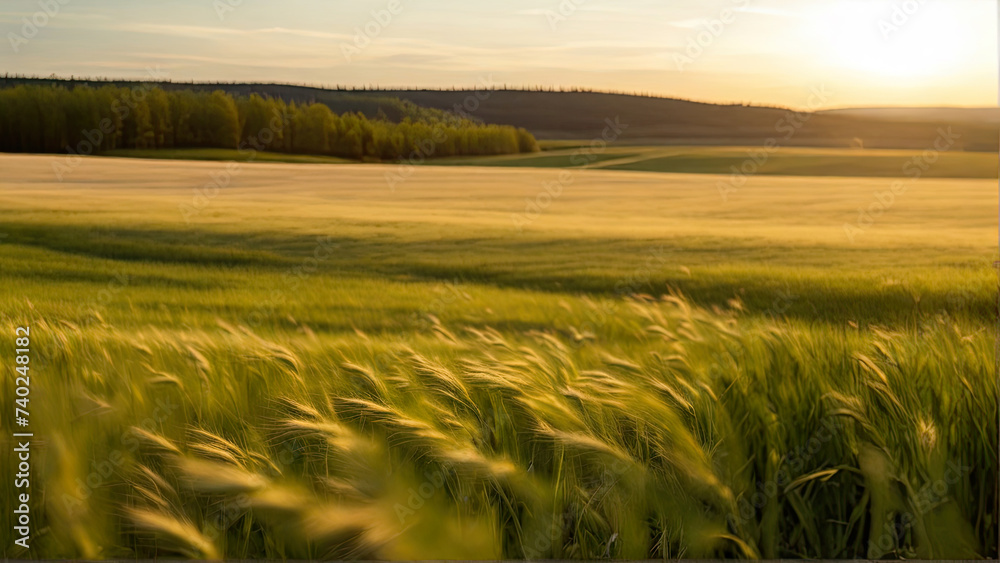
(895, 39)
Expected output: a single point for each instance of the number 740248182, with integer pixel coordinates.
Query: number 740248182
(22, 359)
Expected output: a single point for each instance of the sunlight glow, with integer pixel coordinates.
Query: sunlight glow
(902, 39)
(774, 52)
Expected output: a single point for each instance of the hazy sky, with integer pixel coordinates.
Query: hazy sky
(863, 52)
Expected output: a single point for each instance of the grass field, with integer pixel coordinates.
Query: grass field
(275, 360)
(783, 161)
(245, 155)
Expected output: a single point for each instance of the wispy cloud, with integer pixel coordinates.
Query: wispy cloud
(205, 32)
(770, 11)
(612, 44)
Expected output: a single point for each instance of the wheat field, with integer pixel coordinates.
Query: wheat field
(299, 361)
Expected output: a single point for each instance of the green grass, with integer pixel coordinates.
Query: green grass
(318, 367)
(785, 161)
(816, 162)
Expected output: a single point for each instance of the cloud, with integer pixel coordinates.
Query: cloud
(206, 32)
(765, 11)
(57, 20)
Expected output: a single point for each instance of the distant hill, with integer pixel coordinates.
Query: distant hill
(951, 115)
(581, 116)
(650, 120)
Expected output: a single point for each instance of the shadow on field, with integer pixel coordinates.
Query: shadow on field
(790, 281)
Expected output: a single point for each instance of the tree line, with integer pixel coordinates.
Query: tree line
(88, 120)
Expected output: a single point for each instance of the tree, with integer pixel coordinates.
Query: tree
(50, 118)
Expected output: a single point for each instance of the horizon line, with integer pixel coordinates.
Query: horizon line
(494, 88)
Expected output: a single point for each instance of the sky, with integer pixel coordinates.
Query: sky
(873, 53)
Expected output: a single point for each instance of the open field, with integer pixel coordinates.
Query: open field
(305, 360)
(784, 161)
(226, 155)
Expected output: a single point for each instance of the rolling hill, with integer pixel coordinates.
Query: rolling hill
(646, 120)
(582, 115)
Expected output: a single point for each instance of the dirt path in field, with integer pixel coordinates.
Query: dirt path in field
(649, 155)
